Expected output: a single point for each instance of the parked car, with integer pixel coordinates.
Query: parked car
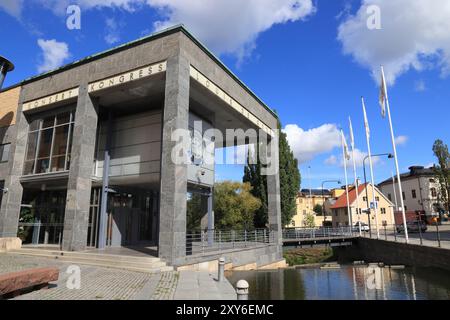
(413, 226)
(364, 227)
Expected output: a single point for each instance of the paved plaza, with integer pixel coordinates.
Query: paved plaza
(116, 284)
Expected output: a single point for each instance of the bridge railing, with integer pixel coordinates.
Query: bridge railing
(322, 232)
(420, 233)
(207, 241)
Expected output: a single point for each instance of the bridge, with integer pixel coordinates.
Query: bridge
(316, 236)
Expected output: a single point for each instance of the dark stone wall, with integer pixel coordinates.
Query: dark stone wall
(371, 250)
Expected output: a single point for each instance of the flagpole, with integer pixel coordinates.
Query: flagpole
(366, 124)
(395, 156)
(356, 175)
(344, 156)
(395, 193)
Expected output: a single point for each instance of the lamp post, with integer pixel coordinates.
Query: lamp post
(5, 67)
(323, 198)
(390, 156)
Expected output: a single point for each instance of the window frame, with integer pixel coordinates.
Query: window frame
(39, 131)
(2, 149)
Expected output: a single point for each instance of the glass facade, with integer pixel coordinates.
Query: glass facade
(49, 144)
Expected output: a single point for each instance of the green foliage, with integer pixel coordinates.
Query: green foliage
(289, 181)
(289, 184)
(26, 216)
(310, 221)
(259, 190)
(194, 212)
(318, 209)
(306, 256)
(234, 205)
(442, 172)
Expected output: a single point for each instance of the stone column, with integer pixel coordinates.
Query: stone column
(12, 199)
(80, 174)
(273, 193)
(173, 195)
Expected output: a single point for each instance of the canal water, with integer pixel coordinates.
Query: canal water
(346, 283)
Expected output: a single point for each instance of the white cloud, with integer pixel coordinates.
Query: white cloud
(54, 54)
(112, 35)
(331, 160)
(310, 143)
(12, 7)
(359, 157)
(230, 26)
(225, 26)
(401, 140)
(420, 86)
(414, 35)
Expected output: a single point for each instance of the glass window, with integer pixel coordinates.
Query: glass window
(48, 122)
(48, 147)
(4, 152)
(63, 118)
(34, 125)
(60, 143)
(413, 192)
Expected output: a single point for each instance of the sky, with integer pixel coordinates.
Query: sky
(309, 60)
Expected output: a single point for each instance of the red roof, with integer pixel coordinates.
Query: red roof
(341, 202)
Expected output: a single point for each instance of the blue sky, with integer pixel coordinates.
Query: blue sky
(309, 60)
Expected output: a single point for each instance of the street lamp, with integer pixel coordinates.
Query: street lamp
(5, 67)
(323, 199)
(390, 156)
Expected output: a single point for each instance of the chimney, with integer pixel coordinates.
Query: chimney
(5, 67)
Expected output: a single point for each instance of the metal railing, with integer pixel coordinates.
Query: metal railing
(432, 235)
(202, 242)
(315, 233)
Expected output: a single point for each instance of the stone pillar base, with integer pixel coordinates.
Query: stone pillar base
(7, 244)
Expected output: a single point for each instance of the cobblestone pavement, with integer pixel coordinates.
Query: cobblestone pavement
(166, 287)
(96, 283)
(115, 284)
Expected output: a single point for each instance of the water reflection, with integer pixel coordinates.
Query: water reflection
(347, 283)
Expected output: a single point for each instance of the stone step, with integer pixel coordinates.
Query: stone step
(112, 257)
(100, 260)
(97, 259)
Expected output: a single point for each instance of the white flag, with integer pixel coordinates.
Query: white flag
(352, 137)
(344, 143)
(366, 122)
(383, 94)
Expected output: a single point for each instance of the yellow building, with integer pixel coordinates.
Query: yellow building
(385, 208)
(306, 201)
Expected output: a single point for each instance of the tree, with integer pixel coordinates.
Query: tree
(234, 205)
(289, 180)
(442, 171)
(289, 183)
(252, 175)
(310, 221)
(194, 212)
(318, 209)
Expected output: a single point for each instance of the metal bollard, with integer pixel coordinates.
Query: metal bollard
(242, 290)
(221, 269)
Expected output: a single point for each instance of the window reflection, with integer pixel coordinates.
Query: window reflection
(49, 144)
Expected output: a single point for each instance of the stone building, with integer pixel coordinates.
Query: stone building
(420, 191)
(88, 149)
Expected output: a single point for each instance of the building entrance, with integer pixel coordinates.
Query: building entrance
(41, 218)
(132, 217)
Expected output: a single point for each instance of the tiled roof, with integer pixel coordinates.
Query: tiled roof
(341, 202)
